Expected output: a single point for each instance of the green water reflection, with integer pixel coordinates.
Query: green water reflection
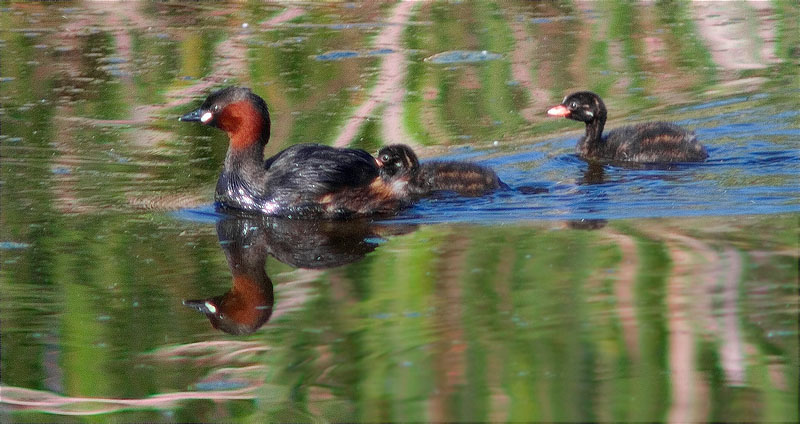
(637, 320)
(446, 322)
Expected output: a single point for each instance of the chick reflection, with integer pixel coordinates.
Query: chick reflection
(304, 244)
(594, 174)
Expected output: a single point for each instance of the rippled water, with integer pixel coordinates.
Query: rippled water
(582, 293)
(752, 169)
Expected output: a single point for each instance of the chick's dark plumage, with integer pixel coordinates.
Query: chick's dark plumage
(650, 142)
(400, 166)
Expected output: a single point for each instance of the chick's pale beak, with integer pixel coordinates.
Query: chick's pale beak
(559, 110)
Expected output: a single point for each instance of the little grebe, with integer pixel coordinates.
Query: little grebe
(304, 180)
(650, 142)
(401, 168)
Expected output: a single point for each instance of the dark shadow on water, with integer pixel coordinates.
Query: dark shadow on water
(594, 174)
(247, 240)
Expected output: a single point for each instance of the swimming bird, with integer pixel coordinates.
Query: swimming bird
(650, 142)
(400, 166)
(302, 181)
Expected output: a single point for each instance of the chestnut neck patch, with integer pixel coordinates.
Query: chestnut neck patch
(244, 123)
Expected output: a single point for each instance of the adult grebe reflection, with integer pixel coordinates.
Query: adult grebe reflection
(247, 241)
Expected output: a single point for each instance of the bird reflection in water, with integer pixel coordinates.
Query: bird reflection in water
(594, 174)
(598, 199)
(247, 241)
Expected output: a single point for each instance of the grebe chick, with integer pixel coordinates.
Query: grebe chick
(650, 142)
(304, 180)
(400, 167)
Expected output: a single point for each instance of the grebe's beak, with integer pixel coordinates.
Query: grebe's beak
(559, 110)
(193, 116)
(202, 305)
(197, 115)
(379, 163)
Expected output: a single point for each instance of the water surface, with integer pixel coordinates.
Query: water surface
(583, 293)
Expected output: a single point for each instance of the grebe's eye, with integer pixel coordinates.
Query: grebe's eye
(385, 158)
(215, 108)
(573, 105)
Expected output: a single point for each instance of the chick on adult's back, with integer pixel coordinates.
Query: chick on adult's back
(305, 180)
(400, 166)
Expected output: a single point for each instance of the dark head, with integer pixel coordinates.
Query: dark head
(237, 111)
(583, 106)
(395, 159)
